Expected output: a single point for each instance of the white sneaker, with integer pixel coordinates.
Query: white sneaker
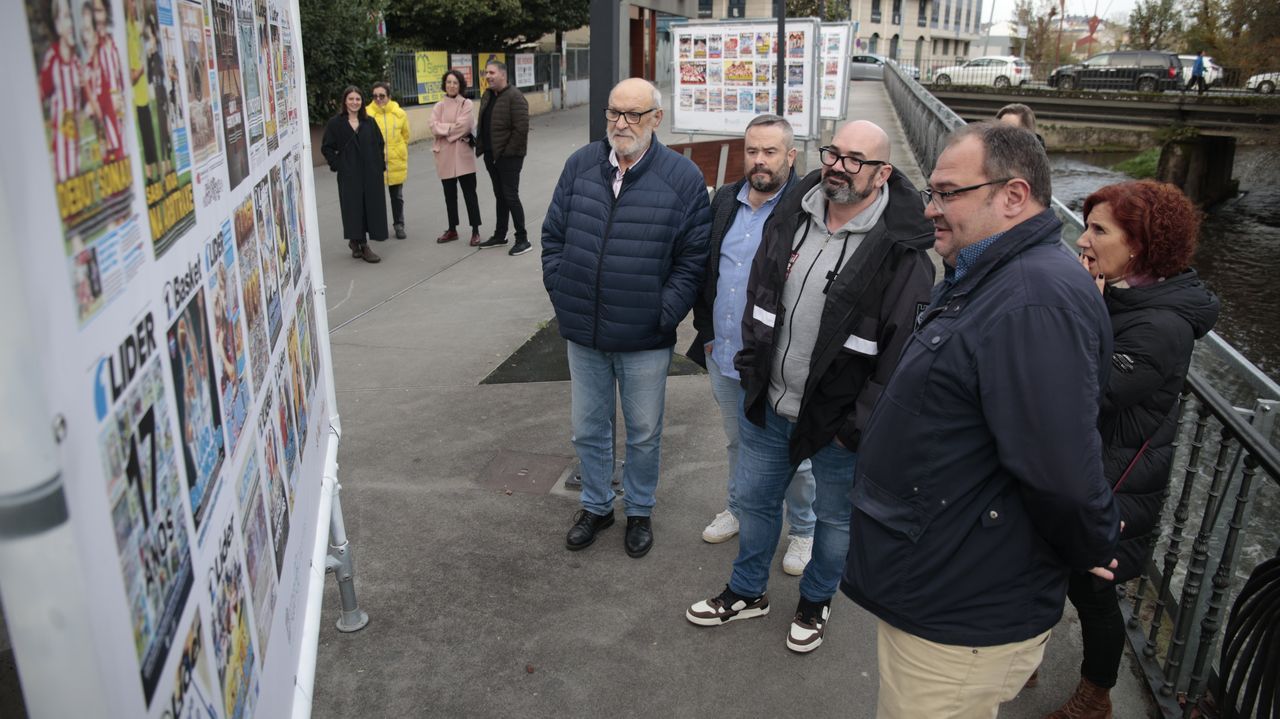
(723, 528)
(798, 553)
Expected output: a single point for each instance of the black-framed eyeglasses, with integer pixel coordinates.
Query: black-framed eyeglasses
(929, 194)
(633, 118)
(830, 156)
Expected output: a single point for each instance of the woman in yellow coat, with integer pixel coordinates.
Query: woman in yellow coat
(394, 124)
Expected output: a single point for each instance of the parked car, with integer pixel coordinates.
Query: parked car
(1212, 70)
(866, 67)
(910, 71)
(993, 70)
(1141, 70)
(1264, 83)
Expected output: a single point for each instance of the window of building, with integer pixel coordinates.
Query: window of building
(897, 12)
(893, 47)
(704, 8)
(946, 15)
(933, 14)
(875, 11)
(874, 46)
(968, 14)
(923, 13)
(737, 8)
(977, 14)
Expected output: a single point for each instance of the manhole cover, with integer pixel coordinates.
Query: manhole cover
(523, 472)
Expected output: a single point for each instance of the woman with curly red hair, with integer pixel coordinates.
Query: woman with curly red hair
(1138, 243)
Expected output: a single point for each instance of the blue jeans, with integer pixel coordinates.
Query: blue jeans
(764, 469)
(597, 379)
(729, 394)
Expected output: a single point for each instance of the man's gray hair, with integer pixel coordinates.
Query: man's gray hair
(767, 120)
(502, 66)
(657, 98)
(1009, 151)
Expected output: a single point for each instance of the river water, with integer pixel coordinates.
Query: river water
(1239, 253)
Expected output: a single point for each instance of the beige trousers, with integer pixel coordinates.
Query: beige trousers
(920, 678)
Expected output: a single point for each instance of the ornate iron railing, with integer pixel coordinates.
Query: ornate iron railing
(1225, 477)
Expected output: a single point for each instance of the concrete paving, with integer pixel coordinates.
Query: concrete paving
(476, 608)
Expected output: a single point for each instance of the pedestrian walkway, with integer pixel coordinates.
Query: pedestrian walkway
(476, 608)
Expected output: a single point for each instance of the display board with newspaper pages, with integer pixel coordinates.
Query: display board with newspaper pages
(155, 171)
(833, 80)
(726, 73)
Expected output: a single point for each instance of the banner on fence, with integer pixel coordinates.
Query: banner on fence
(462, 63)
(726, 74)
(524, 70)
(485, 59)
(833, 81)
(429, 67)
(157, 152)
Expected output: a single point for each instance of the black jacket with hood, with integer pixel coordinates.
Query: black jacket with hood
(1155, 329)
(873, 302)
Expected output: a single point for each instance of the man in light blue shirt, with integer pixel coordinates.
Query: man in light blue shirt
(739, 212)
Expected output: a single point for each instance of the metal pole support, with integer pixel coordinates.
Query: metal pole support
(341, 561)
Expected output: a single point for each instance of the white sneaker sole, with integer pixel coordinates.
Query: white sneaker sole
(803, 648)
(792, 569)
(717, 621)
(718, 538)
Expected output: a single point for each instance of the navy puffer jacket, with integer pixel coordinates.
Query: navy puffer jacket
(623, 272)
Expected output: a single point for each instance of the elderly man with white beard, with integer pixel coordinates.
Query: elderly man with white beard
(624, 245)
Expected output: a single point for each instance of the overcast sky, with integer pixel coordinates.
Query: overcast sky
(1104, 8)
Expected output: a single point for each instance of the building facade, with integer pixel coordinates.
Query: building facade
(920, 32)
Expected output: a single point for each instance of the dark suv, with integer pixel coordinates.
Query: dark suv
(1141, 70)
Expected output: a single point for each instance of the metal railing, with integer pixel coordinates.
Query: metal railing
(404, 80)
(1174, 616)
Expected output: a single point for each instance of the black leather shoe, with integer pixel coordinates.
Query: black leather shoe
(585, 526)
(639, 537)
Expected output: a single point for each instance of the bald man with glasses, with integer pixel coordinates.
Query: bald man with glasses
(832, 298)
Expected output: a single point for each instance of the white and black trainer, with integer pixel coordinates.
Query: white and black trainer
(726, 608)
(808, 625)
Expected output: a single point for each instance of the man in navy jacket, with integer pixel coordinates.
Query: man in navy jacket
(624, 248)
(980, 485)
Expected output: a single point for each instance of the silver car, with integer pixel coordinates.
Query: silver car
(866, 67)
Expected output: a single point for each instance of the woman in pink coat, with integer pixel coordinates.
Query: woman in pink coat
(451, 123)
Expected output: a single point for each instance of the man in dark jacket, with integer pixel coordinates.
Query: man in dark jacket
(980, 481)
(833, 295)
(503, 141)
(738, 215)
(624, 245)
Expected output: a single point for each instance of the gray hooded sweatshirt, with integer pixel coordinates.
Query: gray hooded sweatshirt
(803, 295)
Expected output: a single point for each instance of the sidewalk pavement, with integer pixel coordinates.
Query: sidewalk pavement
(476, 608)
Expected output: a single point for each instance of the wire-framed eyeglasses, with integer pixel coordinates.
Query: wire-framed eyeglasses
(633, 118)
(929, 194)
(830, 156)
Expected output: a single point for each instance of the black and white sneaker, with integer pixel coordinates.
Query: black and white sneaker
(519, 248)
(726, 608)
(808, 625)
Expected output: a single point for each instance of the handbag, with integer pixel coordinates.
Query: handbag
(470, 140)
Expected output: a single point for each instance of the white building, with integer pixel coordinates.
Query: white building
(920, 32)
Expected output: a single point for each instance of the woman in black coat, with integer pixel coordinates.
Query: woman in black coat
(1138, 243)
(353, 146)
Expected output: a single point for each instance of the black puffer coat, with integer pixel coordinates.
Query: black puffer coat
(1155, 328)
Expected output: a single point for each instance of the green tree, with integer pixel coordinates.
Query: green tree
(340, 47)
(1154, 24)
(1204, 27)
(480, 24)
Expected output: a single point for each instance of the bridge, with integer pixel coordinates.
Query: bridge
(1199, 150)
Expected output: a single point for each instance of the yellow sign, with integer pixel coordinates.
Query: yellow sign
(485, 59)
(429, 68)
